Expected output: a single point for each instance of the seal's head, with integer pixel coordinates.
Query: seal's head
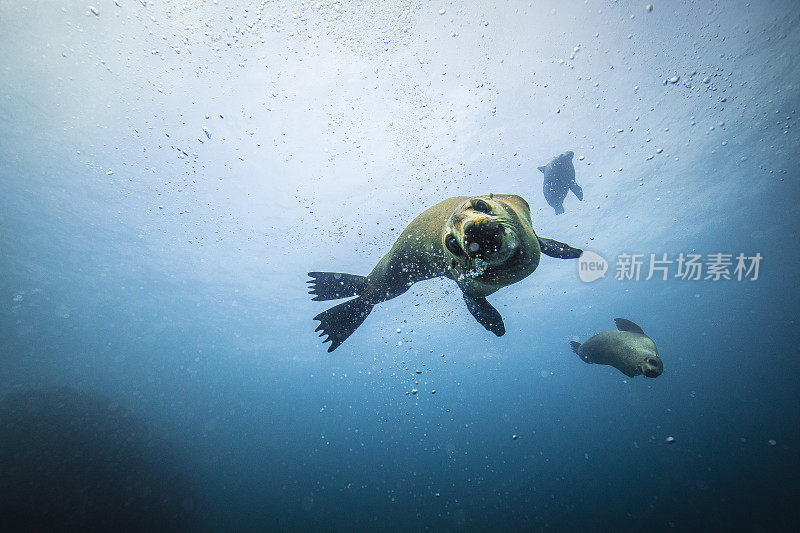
(651, 366)
(480, 229)
(490, 238)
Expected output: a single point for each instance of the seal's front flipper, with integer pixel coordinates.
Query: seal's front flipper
(335, 285)
(576, 189)
(486, 315)
(340, 321)
(627, 325)
(558, 249)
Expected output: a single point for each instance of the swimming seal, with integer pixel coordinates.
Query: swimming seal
(482, 242)
(628, 350)
(559, 177)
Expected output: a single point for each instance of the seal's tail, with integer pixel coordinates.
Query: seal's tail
(335, 285)
(340, 321)
(575, 346)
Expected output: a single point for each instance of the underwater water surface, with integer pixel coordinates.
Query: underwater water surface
(171, 171)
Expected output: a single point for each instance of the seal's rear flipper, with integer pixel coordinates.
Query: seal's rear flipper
(335, 285)
(486, 315)
(340, 321)
(575, 346)
(627, 325)
(558, 249)
(559, 209)
(576, 189)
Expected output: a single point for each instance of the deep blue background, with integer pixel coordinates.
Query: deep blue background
(174, 283)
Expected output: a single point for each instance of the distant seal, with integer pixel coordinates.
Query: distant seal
(482, 242)
(559, 177)
(628, 350)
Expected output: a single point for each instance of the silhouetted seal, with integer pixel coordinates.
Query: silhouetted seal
(559, 177)
(482, 242)
(628, 350)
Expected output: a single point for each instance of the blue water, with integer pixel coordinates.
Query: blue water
(170, 172)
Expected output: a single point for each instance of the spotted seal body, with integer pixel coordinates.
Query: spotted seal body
(484, 243)
(628, 350)
(559, 177)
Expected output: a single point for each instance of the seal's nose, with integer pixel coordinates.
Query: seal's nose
(482, 237)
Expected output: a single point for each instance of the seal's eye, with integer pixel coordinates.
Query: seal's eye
(481, 206)
(452, 245)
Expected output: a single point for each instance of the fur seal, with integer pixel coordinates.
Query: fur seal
(482, 242)
(559, 177)
(628, 350)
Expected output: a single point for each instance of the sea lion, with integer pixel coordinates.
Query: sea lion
(559, 177)
(628, 350)
(482, 242)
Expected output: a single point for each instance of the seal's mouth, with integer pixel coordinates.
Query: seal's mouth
(483, 239)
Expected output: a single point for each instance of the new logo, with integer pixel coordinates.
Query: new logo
(591, 266)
